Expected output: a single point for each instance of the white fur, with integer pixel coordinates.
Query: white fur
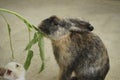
(57, 35)
(18, 73)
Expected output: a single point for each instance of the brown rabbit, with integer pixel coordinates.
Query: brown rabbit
(76, 49)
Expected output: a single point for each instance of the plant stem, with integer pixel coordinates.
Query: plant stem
(20, 17)
(29, 34)
(8, 11)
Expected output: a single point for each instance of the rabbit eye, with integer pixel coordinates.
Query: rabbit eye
(17, 65)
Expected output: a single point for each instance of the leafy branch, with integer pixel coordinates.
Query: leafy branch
(38, 38)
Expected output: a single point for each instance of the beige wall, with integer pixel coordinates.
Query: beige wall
(103, 14)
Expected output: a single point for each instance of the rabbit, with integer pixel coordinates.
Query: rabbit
(76, 48)
(13, 71)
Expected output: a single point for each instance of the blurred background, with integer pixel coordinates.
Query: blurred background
(104, 15)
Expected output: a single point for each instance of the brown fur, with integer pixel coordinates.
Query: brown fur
(64, 57)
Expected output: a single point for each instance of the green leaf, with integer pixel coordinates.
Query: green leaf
(28, 24)
(41, 46)
(9, 32)
(42, 67)
(41, 50)
(9, 29)
(35, 28)
(32, 42)
(28, 59)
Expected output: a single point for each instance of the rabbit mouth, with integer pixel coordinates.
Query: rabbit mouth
(43, 30)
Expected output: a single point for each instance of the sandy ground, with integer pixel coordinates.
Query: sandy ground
(104, 15)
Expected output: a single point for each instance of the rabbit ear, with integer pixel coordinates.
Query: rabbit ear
(54, 19)
(74, 29)
(81, 29)
(90, 28)
(80, 26)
